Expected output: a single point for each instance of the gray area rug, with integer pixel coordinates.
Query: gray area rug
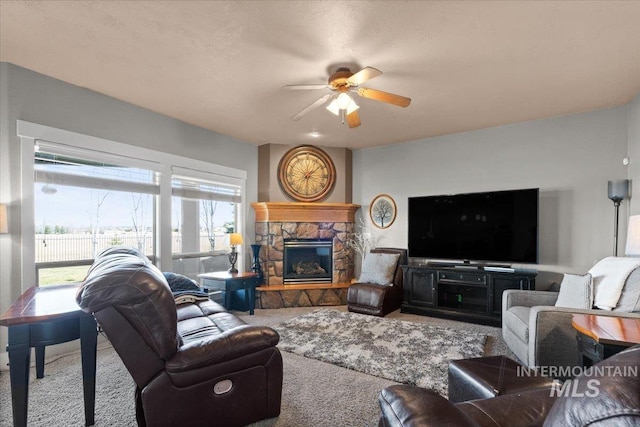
(406, 352)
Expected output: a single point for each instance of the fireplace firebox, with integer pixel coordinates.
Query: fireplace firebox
(307, 261)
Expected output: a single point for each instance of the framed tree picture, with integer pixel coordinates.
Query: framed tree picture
(382, 211)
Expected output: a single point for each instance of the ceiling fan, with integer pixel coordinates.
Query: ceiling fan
(341, 83)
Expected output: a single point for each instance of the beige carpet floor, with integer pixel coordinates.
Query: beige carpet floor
(314, 393)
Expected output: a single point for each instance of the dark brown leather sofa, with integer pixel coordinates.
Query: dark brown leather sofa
(194, 364)
(606, 396)
(378, 300)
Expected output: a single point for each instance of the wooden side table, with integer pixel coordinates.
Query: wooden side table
(231, 282)
(41, 317)
(600, 337)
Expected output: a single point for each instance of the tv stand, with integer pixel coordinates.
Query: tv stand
(467, 292)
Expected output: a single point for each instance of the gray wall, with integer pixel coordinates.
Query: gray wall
(633, 135)
(40, 99)
(569, 158)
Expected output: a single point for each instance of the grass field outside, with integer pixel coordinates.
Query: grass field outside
(66, 247)
(60, 275)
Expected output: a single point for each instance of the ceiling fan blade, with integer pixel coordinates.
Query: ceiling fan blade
(367, 73)
(387, 97)
(315, 105)
(353, 119)
(305, 87)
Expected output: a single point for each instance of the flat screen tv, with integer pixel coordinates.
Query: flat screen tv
(497, 226)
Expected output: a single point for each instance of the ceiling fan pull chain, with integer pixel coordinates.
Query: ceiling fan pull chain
(342, 114)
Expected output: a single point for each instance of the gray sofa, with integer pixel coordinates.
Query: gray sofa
(540, 334)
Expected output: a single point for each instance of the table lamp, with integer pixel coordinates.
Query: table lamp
(235, 239)
(633, 236)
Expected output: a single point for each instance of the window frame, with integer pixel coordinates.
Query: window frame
(107, 183)
(81, 145)
(181, 193)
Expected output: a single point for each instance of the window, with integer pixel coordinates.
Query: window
(81, 194)
(202, 245)
(84, 206)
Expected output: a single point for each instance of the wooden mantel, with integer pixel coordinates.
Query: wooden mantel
(304, 212)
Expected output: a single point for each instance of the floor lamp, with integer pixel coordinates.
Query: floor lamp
(617, 191)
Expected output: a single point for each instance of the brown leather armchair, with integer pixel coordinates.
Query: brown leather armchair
(378, 300)
(194, 364)
(606, 396)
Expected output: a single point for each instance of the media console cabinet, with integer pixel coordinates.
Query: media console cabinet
(468, 293)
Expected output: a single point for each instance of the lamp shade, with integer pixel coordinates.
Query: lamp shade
(633, 236)
(235, 239)
(4, 224)
(618, 190)
(342, 102)
(333, 107)
(352, 107)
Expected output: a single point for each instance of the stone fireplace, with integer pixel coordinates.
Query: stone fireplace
(328, 226)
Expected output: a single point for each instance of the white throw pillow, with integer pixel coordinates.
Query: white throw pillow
(576, 291)
(379, 268)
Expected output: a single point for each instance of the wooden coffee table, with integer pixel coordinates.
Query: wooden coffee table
(600, 337)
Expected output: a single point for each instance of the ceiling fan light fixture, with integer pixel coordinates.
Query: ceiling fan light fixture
(333, 107)
(352, 107)
(342, 102)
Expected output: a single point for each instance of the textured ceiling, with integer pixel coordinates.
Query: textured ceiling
(220, 65)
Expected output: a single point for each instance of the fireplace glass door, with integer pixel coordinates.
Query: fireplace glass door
(308, 261)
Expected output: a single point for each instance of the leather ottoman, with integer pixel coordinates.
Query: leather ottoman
(485, 377)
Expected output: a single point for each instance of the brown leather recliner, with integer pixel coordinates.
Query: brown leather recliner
(194, 364)
(378, 300)
(606, 396)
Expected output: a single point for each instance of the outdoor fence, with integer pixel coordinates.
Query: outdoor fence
(71, 247)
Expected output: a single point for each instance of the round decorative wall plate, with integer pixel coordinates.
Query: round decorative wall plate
(382, 211)
(306, 174)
